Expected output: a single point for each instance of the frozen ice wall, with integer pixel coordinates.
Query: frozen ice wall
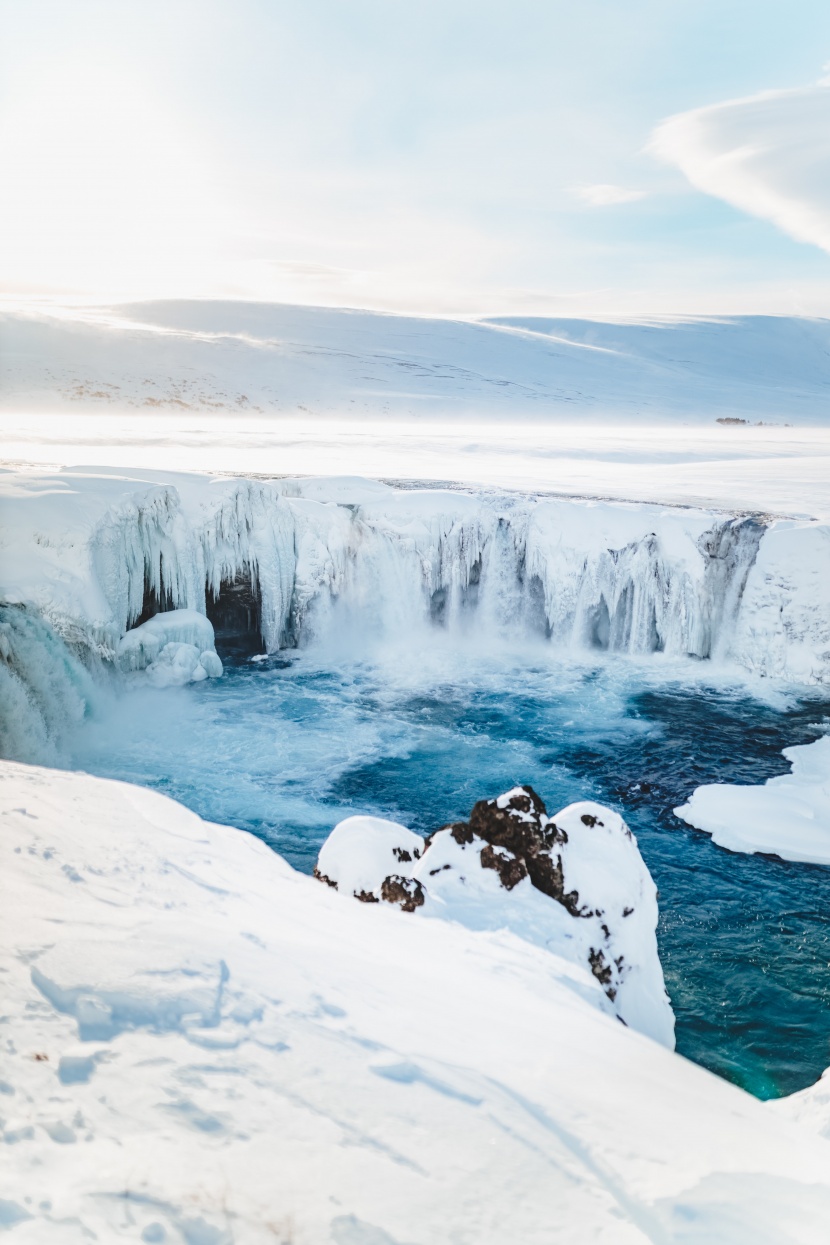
(350, 562)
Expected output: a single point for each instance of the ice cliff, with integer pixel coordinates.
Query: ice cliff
(95, 553)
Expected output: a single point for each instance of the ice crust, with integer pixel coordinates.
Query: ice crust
(83, 548)
(787, 816)
(203, 1045)
(606, 922)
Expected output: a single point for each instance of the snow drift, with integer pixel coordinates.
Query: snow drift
(203, 1045)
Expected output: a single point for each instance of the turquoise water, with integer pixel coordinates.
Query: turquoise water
(287, 746)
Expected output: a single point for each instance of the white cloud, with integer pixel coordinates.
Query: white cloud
(768, 154)
(606, 195)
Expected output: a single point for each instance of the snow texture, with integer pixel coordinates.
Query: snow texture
(574, 883)
(202, 1046)
(787, 816)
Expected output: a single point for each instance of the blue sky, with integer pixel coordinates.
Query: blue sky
(439, 157)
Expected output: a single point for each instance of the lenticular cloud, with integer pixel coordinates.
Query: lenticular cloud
(767, 154)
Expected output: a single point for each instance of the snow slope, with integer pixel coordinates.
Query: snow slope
(202, 1046)
(788, 816)
(321, 362)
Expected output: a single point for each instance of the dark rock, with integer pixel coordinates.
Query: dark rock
(602, 971)
(321, 877)
(511, 869)
(366, 897)
(401, 854)
(523, 828)
(408, 893)
(588, 819)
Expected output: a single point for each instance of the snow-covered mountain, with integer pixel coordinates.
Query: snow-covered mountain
(309, 361)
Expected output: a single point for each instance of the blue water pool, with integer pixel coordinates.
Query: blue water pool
(287, 746)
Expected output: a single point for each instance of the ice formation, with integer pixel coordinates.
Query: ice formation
(574, 883)
(787, 816)
(170, 649)
(202, 1045)
(95, 553)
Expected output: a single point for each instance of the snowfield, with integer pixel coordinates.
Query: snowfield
(573, 407)
(788, 816)
(202, 1046)
(240, 357)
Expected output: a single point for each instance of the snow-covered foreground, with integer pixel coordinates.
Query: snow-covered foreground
(204, 1046)
(787, 816)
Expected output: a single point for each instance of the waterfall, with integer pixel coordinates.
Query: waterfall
(397, 564)
(44, 689)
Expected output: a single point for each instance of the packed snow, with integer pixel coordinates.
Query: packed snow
(204, 1046)
(574, 883)
(787, 816)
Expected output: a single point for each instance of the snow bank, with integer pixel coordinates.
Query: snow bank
(788, 816)
(202, 1045)
(171, 649)
(574, 883)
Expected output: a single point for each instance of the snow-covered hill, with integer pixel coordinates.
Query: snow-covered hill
(317, 362)
(202, 1046)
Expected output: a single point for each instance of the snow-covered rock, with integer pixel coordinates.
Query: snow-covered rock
(574, 884)
(361, 852)
(787, 816)
(171, 649)
(201, 1045)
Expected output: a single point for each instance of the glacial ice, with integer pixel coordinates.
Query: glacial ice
(203, 1045)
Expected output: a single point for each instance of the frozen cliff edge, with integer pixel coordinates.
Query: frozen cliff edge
(574, 883)
(95, 553)
(787, 816)
(204, 1045)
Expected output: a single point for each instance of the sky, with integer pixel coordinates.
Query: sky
(611, 157)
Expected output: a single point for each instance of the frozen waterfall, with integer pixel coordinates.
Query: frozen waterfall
(282, 563)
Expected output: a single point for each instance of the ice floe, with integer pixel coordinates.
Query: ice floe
(787, 816)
